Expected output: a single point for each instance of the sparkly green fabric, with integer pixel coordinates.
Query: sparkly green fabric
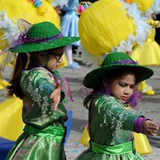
(44, 131)
(110, 129)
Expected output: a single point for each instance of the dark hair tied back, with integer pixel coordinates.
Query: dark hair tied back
(14, 84)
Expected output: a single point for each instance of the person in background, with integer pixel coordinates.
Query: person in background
(58, 6)
(69, 27)
(157, 30)
(147, 54)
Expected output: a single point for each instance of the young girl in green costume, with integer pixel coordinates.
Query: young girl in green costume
(111, 124)
(36, 81)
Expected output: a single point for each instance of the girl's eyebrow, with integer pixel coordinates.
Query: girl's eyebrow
(127, 83)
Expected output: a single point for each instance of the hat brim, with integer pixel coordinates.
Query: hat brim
(41, 46)
(93, 78)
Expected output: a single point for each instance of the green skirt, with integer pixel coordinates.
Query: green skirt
(34, 144)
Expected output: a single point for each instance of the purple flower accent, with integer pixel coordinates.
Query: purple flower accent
(127, 61)
(25, 27)
(134, 99)
(22, 39)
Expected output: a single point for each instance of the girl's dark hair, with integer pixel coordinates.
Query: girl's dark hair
(120, 72)
(14, 84)
(20, 65)
(112, 76)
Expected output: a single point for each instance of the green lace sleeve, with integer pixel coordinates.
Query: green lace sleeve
(115, 115)
(38, 85)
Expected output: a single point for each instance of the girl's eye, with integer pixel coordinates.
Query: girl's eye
(122, 84)
(132, 86)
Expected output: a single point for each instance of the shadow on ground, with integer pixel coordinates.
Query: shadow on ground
(78, 125)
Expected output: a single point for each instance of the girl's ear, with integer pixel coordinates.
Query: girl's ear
(104, 80)
(41, 56)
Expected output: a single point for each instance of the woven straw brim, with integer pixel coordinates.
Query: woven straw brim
(41, 46)
(93, 78)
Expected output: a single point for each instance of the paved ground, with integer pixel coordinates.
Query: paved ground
(149, 105)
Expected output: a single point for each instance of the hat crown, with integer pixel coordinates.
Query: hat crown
(39, 37)
(112, 62)
(43, 30)
(114, 57)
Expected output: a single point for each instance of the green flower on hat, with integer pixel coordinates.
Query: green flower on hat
(112, 62)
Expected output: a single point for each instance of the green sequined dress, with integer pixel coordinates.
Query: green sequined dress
(44, 131)
(110, 130)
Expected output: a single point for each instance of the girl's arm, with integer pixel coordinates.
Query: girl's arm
(154, 23)
(120, 118)
(56, 95)
(150, 128)
(145, 126)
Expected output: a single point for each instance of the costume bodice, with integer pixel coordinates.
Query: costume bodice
(37, 85)
(110, 123)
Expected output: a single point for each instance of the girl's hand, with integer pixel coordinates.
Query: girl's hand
(150, 128)
(158, 25)
(56, 95)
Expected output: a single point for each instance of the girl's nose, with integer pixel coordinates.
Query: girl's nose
(61, 59)
(127, 90)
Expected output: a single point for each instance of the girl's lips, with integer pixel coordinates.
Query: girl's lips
(124, 98)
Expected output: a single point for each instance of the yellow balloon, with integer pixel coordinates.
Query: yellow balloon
(11, 118)
(84, 139)
(26, 10)
(142, 144)
(104, 25)
(143, 5)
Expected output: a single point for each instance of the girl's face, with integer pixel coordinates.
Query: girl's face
(54, 59)
(122, 88)
(58, 10)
